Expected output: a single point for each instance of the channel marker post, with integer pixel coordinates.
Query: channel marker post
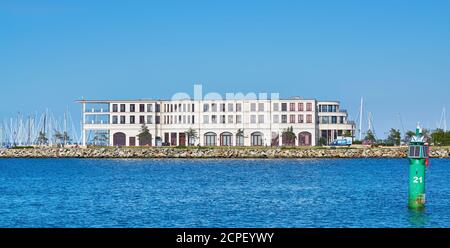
(418, 162)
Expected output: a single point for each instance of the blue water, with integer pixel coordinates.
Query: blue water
(218, 193)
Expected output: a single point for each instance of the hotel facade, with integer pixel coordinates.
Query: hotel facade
(216, 122)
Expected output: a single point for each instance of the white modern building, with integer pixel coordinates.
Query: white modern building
(216, 122)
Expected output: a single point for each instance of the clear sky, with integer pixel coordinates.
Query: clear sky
(396, 54)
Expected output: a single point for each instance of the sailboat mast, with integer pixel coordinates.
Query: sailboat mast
(361, 118)
(29, 131)
(445, 119)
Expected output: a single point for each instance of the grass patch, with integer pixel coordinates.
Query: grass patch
(22, 147)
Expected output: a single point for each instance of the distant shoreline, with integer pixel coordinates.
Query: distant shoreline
(222, 152)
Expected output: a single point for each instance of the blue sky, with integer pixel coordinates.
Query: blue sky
(396, 54)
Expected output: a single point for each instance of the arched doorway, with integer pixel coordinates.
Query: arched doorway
(257, 139)
(210, 139)
(119, 139)
(226, 139)
(304, 139)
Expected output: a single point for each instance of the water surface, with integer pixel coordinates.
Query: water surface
(218, 193)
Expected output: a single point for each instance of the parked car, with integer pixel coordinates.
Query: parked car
(342, 141)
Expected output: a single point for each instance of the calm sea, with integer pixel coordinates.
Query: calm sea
(218, 193)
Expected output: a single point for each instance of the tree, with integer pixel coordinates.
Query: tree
(370, 137)
(42, 138)
(145, 138)
(65, 138)
(240, 132)
(394, 137)
(58, 137)
(440, 138)
(408, 135)
(322, 141)
(347, 133)
(192, 136)
(288, 136)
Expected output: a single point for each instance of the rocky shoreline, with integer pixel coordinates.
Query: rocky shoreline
(391, 152)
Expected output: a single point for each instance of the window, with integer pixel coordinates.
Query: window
(141, 119)
(300, 106)
(309, 106)
(115, 108)
(341, 120)
(122, 119)
(122, 107)
(210, 139)
(238, 107)
(214, 119)
(275, 107)
(283, 106)
(149, 108)
(193, 108)
(284, 119)
(205, 107)
(158, 120)
(239, 140)
(158, 108)
(308, 118)
(193, 119)
(325, 119)
(230, 119)
(132, 108)
(115, 119)
(230, 107)
(214, 107)
(260, 118)
(331, 108)
(132, 119)
(253, 119)
(291, 118)
(257, 139)
(276, 119)
(291, 106)
(141, 107)
(260, 107)
(226, 139)
(300, 119)
(238, 119)
(253, 107)
(149, 119)
(334, 119)
(222, 107)
(222, 119)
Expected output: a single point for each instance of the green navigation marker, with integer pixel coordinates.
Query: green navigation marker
(418, 162)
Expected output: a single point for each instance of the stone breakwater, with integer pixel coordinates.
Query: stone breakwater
(393, 152)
